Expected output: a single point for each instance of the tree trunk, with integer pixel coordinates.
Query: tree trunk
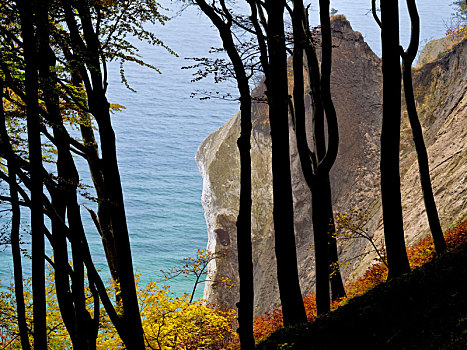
(244, 248)
(390, 137)
(335, 277)
(17, 265)
(319, 162)
(417, 132)
(287, 272)
(15, 227)
(99, 107)
(66, 197)
(35, 159)
(326, 161)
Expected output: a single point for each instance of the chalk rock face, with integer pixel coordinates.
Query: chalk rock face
(441, 96)
(434, 49)
(356, 89)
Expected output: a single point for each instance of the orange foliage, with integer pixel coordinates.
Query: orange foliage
(309, 300)
(267, 323)
(419, 254)
(456, 235)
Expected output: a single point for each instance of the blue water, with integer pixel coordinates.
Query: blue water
(159, 131)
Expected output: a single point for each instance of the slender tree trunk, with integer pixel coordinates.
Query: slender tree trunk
(62, 282)
(320, 162)
(17, 265)
(64, 295)
(15, 226)
(103, 219)
(129, 324)
(287, 272)
(335, 277)
(68, 181)
(244, 247)
(99, 107)
(390, 137)
(326, 161)
(35, 159)
(84, 322)
(417, 132)
(113, 190)
(322, 279)
(319, 209)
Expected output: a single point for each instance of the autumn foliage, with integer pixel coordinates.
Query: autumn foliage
(171, 322)
(458, 28)
(418, 255)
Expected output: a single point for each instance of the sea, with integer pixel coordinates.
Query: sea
(162, 125)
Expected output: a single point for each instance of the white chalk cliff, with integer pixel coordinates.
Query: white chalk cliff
(440, 88)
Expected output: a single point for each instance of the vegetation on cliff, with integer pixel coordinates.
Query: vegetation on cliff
(53, 86)
(424, 309)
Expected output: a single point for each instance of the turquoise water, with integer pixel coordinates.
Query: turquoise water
(159, 131)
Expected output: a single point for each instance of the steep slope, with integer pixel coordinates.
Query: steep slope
(356, 87)
(426, 309)
(441, 96)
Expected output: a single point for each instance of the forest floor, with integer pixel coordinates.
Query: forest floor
(424, 309)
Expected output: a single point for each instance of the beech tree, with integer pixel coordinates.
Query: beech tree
(408, 57)
(220, 16)
(394, 234)
(277, 94)
(35, 160)
(268, 35)
(15, 227)
(390, 141)
(65, 45)
(317, 163)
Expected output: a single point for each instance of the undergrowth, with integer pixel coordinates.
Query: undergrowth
(419, 254)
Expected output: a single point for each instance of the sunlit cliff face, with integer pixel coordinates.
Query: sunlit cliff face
(356, 90)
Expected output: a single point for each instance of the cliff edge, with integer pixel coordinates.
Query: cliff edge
(356, 87)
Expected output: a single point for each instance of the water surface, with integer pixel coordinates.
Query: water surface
(161, 128)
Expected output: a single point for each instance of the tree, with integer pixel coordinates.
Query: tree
(197, 267)
(326, 161)
(95, 85)
(221, 17)
(271, 49)
(35, 160)
(408, 57)
(52, 95)
(317, 163)
(15, 227)
(277, 94)
(458, 26)
(390, 138)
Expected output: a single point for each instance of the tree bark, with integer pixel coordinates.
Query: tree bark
(417, 133)
(15, 227)
(317, 164)
(76, 316)
(244, 247)
(390, 138)
(287, 272)
(35, 159)
(326, 161)
(130, 326)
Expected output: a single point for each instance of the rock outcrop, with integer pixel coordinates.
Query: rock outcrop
(356, 88)
(434, 49)
(441, 96)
